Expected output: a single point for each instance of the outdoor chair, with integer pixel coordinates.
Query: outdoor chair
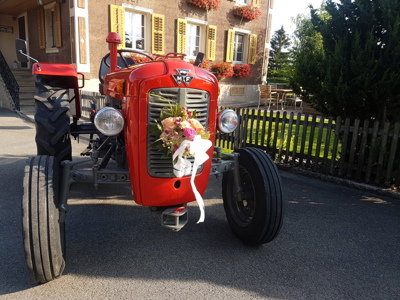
(295, 101)
(269, 98)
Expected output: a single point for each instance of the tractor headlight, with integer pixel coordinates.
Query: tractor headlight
(227, 121)
(109, 121)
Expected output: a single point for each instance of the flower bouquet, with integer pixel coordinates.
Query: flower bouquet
(184, 136)
(177, 125)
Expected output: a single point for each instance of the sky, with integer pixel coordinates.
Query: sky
(284, 10)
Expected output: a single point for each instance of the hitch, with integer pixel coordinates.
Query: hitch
(174, 218)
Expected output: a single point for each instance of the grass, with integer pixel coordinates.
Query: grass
(298, 141)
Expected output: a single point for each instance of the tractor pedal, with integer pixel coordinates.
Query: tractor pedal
(174, 218)
(86, 152)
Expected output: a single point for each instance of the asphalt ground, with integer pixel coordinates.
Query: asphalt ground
(337, 242)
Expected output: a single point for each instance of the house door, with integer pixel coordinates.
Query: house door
(22, 35)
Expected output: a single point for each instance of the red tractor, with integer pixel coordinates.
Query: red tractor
(161, 117)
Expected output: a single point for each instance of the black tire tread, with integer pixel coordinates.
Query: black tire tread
(52, 118)
(262, 168)
(40, 216)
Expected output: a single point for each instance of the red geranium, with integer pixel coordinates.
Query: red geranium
(242, 70)
(207, 4)
(224, 69)
(249, 11)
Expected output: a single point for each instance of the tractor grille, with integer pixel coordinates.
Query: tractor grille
(193, 100)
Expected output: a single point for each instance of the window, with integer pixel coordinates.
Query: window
(193, 40)
(135, 31)
(255, 3)
(238, 54)
(242, 2)
(241, 46)
(194, 36)
(138, 28)
(49, 22)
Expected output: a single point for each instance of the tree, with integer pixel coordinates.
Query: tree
(348, 59)
(279, 58)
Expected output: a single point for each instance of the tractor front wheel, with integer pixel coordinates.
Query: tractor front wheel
(44, 235)
(255, 211)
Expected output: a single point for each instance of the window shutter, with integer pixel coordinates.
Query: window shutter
(211, 42)
(181, 36)
(41, 29)
(230, 45)
(117, 22)
(57, 26)
(157, 32)
(256, 3)
(252, 49)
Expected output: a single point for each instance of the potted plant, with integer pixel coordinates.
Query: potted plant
(207, 4)
(248, 11)
(223, 69)
(241, 70)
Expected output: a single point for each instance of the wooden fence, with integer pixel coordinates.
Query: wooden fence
(364, 151)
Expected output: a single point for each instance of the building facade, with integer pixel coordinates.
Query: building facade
(74, 31)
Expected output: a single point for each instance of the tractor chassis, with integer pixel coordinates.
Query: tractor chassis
(99, 174)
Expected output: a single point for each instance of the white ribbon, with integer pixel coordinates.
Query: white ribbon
(197, 148)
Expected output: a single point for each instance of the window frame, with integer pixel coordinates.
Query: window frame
(51, 20)
(245, 46)
(145, 23)
(202, 26)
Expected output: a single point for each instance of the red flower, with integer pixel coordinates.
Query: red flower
(224, 69)
(249, 11)
(207, 4)
(241, 70)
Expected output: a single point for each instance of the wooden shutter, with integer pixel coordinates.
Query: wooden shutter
(157, 33)
(181, 38)
(117, 22)
(211, 44)
(41, 29)
(256, 3)
(230, 45)
(57, 26)
(252, 49)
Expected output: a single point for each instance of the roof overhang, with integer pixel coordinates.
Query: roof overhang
(17, 7)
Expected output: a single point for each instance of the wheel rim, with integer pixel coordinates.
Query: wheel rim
(244, 207)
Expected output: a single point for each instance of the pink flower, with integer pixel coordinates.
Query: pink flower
(190, 133)
(196, 125)
(168, 123)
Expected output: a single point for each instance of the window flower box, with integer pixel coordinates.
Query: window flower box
(241, 70)
(223, 70)
(207, 4)
(247, 11)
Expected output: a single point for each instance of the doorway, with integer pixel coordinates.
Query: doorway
(22, 35)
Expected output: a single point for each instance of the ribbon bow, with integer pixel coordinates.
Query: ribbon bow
(197, 148)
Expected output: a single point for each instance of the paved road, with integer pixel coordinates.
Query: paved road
(336, 243)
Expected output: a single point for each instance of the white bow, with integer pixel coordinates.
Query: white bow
(197, 148)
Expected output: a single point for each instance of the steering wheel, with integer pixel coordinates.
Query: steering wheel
(106, 58)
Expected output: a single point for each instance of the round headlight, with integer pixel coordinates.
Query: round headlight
(109, 121)
(227, 121)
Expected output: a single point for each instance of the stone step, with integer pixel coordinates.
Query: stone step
(27, 88)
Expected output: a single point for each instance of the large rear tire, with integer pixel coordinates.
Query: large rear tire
(255, 217)
(44, 237)
(52, 117)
